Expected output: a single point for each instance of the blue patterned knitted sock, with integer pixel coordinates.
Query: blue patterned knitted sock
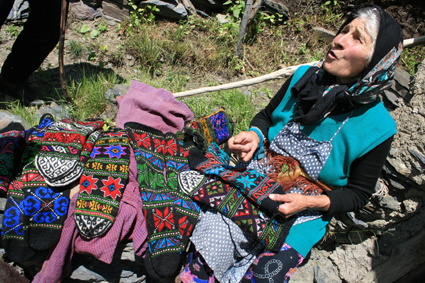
(15, 225)
(46, 209)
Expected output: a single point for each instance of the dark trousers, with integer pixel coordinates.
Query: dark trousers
(37, 39)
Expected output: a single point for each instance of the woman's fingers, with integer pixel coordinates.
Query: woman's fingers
(291, 203)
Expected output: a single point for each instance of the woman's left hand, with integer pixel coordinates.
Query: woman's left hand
(294, 203)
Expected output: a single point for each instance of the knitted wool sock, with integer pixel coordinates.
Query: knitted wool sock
(15, 225)
(158, 200)
(102, 184)
(11, 146)
(186, 211)
(270, 231)
(215, 128)
(252, 184)
(58, 160)
(46, 209)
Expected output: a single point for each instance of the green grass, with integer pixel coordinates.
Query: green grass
(27, 113)
(89, 94)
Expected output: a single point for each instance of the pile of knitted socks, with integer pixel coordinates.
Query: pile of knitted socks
(170, 214)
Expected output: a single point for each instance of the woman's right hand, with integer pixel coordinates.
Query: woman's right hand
(244, 144)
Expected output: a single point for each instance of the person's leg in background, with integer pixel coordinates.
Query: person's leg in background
(37, 39)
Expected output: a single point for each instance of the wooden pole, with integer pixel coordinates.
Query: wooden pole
(244, 22)
(61, 52)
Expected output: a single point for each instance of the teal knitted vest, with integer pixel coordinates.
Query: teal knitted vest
(367, 127)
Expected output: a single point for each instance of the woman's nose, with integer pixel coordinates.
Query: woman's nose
(339, 41)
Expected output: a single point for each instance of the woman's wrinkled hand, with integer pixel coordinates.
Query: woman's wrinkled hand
(244, 144)
(294, 203)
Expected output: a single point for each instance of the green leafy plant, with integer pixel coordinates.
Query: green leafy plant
(84, 29)
(141, 15)
(12, 30)
(94, 33)
(103, 27)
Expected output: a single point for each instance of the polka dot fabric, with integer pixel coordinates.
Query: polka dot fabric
(311, 154)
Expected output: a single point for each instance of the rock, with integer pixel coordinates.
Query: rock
(58, 111)
(390, 202)
(353, 261)
(222, 19)
(82, 11)
(117, 10)
(170, 9)
(19, 11)
(117, 90)
(324, 34)
(6, 118)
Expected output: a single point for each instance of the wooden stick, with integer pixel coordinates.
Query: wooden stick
(411, 42)
(275, 75)
(61, 53)
(244, 22)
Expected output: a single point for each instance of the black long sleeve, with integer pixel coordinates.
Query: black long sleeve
(364, 171)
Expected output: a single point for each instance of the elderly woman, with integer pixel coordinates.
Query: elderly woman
(332, 114)
(329, 118)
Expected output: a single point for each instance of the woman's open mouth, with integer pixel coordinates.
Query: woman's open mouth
(332, 55)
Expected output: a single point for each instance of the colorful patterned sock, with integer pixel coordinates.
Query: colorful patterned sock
(215, 128)
(58, 160)
(102, 184)
(158, 200)
(15, 225)
(46, 209)
(252, 184)
(186, 211)
(270, 231)
(11, 146)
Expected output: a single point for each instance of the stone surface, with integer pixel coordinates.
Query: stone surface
(19, 11)
(115, 10)
(58, 111)
(6, 118)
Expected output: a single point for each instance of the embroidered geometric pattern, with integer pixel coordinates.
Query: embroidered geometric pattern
(216, 127)
(170, 214)
(34, 215)
(11, 147)
(59, 157)
(252, 184)
(102, 183)
(227, 200)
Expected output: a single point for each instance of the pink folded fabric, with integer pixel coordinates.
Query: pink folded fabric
(156, 108)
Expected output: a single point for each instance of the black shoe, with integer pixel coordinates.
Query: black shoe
(23, 93)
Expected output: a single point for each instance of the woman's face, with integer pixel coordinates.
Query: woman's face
(347, 56)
